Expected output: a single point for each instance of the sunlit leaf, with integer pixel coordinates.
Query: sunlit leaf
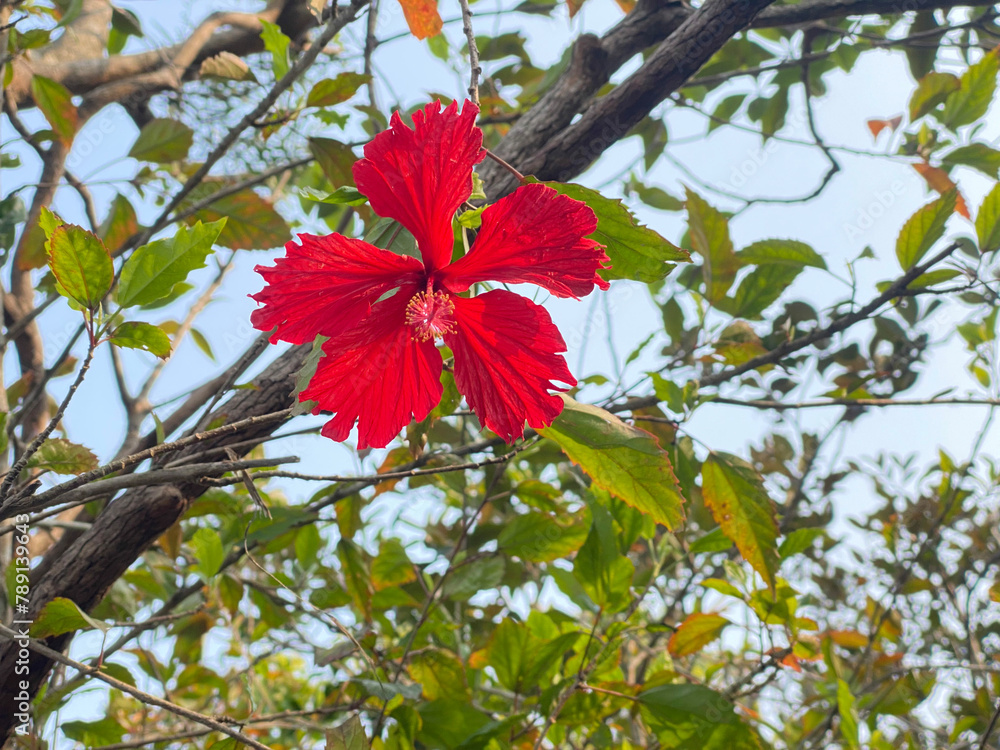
(162, 140)
(422, 17)
(145, 336)
(710, 239)
(988, 222)
(923, 229)
(81, 265)
(56, 103)
(696, 632)
(63, 457)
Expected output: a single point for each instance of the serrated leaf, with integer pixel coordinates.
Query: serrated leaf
(988, 222)
(154, 270)
(932, 89)
(696, 632)
(923, 229)
(709, 231)
(636, 251)
(162, 140)
(56, 103)
(208, 552)
(81, 265)
(63, 457)
(277, 43)
(783, 252)
(620, 458)
(144, 336)
(330, 91)
(971, 101)
(61, 616)
(422, 17)
(226, 66)
(735, 494)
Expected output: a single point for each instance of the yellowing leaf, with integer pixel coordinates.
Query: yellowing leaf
(63, 615)
(735, 494)
(923, 229)
(988, 221)
(81, 265)
(63, 457)
(227, 66)
(620, 458)
(422, 17)
(932, 89)
(696, 632)
(710, 238)
(971, 101)
(938, 180)
(56, 104)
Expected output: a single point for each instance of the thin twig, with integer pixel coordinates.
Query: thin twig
(474, 67)
(151, 700)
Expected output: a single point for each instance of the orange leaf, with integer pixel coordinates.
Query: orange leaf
(792, 662)
(848, 638)
(937, 179)
(574, 6)
(877, 126)
(395, 458)
(696, 632)
(422, 17)
(626, 5)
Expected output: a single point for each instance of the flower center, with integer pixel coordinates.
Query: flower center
(430, 315)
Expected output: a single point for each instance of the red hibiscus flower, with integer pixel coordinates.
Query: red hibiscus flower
(382, 367)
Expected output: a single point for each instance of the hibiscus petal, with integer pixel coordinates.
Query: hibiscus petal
(507, 353)
(326, 285)
(378, 375)
(534, 236)
(420, 177)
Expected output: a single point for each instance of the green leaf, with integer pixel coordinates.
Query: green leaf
(12, 213)
(604, 573)
(342, 196)
(202, 343)
(781, 252)
(392, 566)
(735, 494)
(252, 223)
(920, 57)
(277, 43)
(655, 197)
(63, 457)
(63, 615)
(714, 541)
(81, 265)
(336, 159)
(162, 140)
(694, 717)
(923, 229)
(624, 460)
(145, 336)
(509, 654)
(226, 66)
(208, 552)
(988, 222)
(303, 376)
(636, 251)
(56, 103)
(932, 89)
(978, 156)
(799, 541)
(541, 537)
(332, 91)
(696, 632)
(153, 270)
(467, 580)
(970, 102)
(347, 736)
(709, 231)
(440, 674)
(848, 716)
(759, 289)
(106, 731)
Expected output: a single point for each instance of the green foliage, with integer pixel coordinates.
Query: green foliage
(330, 91)
(63, 616)
(153, 270)
(636, 252)
(624, 460)
(60, 456)
(81, 265)
(277, 43)
(145, 336)
(923, 229)
(56, 103)
(988, 222)
(162, 140)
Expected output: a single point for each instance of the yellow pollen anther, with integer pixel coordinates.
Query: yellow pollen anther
(430, 315)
